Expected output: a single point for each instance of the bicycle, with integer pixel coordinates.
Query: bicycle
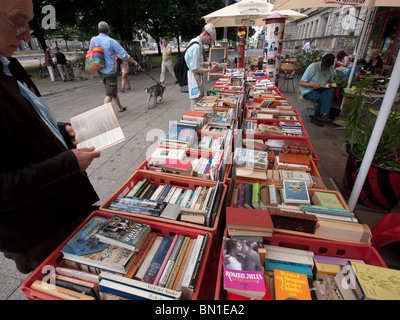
(146, 63)
(44, 72)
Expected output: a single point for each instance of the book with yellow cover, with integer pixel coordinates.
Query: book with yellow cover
(328, 200)
(291, 286)
(376, 283)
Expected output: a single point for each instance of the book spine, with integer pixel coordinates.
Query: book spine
(58, 292)
(128, 292)
(171, 261)
(158, 259)
(184, 266)
(149, 257)
(178, 263)
(160, 272)
(196, 270)
(141, 255)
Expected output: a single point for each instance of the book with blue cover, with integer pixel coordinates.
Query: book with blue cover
(295, 192)
(158, 259)
(85, 248)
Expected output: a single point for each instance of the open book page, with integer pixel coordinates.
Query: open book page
(97, 128)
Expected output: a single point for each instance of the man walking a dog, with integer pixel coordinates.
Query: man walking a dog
(194, 58)
(109, 73)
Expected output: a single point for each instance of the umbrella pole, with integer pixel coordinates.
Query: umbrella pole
(380, 123)
(362, 36)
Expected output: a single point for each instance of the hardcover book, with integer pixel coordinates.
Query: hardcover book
(257, 220)
(242, 269)
(295, 192)
(158, 259)
(124, 232)
(85, 248)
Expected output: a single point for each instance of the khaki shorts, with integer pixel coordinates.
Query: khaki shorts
(111, 83)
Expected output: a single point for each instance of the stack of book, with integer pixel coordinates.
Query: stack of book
(248, 223)
(179, 137)
(291, 128)
(254, 159)
(299, 162)
(222, 119)
(160, 154)
(171, 202)
(206, 104)
(98, 266)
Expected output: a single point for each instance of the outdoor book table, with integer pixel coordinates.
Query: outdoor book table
(319, 247)
(55, 259)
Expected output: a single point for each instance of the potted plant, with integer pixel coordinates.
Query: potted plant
(381, 189)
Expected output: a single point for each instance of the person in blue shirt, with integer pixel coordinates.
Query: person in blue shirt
(315, 84)
(109, 73)
(195, 60)
(360, 64)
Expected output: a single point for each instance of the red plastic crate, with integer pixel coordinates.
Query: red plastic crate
(55, 259)
(320, 247)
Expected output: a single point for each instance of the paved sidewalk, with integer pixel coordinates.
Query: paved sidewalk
(142, 127)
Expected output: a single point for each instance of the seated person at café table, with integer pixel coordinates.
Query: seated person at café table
(375, 62)
(358, 70)
(316, 86)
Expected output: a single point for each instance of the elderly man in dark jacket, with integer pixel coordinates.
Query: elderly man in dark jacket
(43, 185)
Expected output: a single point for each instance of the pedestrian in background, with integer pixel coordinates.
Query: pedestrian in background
(48, 62)
(62, 65)
(124, 68)
(195, 61)
(166, 63)
(109, 73)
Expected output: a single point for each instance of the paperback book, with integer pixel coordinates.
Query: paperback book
(124, 232)
(242, 269)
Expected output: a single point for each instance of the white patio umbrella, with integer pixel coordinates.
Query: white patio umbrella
(391, 91)
(248, 13)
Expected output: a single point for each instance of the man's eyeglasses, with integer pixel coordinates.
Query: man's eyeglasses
(20, 31)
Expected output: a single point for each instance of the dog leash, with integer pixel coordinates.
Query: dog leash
(151, 77)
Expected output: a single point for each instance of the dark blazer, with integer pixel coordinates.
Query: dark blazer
(41, 187)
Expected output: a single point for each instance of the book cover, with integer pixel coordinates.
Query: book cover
(171, 211)
(376, 283)
(258, 220)
(158, 259)
(242, 269)
(291, 286)
(85, 248)
(251, 158)
(328, 200)
(295, 192)
(124, 232)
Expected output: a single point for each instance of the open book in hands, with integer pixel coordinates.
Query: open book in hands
(97, 128)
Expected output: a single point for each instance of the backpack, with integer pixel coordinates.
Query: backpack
(181, 68)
